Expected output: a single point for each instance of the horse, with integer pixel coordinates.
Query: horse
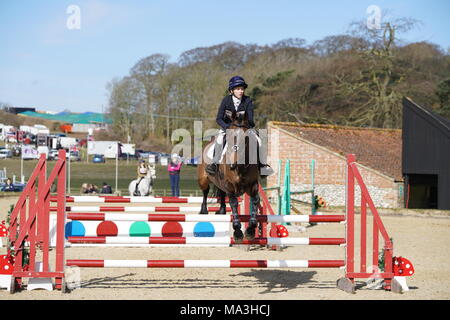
(234, 177)
(145, 186)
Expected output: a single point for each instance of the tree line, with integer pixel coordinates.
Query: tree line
(356, 79)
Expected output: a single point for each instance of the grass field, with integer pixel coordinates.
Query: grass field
(97, 173)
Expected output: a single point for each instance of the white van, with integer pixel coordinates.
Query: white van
(5, 153)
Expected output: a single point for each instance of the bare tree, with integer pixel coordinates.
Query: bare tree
(147, 71)
(124, 107)
(379, 78)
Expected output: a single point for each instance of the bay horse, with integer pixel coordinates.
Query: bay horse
(234, 176)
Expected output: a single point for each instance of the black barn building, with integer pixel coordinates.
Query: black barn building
(17, 110)
(425, 157)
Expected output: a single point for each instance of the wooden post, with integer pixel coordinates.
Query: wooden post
(350, 216)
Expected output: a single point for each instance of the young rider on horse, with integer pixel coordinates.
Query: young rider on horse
(235, 101)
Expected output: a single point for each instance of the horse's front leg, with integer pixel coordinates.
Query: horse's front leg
(223, 206)
(253, 222)
(238, 235)
(150, 186)
(204, 208)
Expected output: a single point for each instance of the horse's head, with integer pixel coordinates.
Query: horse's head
(240, 150)
(151, 173)
(239, 120)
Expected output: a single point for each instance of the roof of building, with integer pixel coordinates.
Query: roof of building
(379, 149)
(87, 117)
(439, 122)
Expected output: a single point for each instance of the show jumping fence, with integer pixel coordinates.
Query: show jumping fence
(30, 231)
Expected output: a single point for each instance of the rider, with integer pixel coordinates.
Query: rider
(142, 171)
(235, 101)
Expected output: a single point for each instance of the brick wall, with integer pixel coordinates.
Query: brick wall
(329, 170)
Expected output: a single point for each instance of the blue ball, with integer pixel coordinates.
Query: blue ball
(75, 229)
(204, 229)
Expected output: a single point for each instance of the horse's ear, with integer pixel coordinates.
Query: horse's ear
(233, 115)
(241, 115)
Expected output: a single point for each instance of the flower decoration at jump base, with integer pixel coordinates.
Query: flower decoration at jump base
(402, 267)
(278, 231)
(3, 229)
(6, 264)
(282, 232)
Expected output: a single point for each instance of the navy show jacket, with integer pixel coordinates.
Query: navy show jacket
(228, 105)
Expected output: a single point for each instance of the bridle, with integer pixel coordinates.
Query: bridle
(235, 147)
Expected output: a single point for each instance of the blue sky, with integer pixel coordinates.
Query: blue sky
(45, 65)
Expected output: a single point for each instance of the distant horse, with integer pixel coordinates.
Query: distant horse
(234, 178)
(145, 186)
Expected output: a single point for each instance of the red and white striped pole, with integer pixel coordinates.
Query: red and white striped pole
(206, 240)
(136, 209)
(130, 199)
(101, 216)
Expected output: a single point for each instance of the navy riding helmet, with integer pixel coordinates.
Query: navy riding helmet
(236, 81)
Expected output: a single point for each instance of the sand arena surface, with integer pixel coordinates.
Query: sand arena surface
(423, 240)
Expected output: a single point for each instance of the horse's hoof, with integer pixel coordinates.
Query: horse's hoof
(203, 212)
(252, 223)
(250, 234)
(238, 236)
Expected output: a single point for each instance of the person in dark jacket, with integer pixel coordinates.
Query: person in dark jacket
(106, 188)
(236, 101)
(8, 187)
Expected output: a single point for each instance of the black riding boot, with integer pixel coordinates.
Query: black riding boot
(136, 191)
(265, 169)
(213, 167)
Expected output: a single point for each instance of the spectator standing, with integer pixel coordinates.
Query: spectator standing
(174, 169)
